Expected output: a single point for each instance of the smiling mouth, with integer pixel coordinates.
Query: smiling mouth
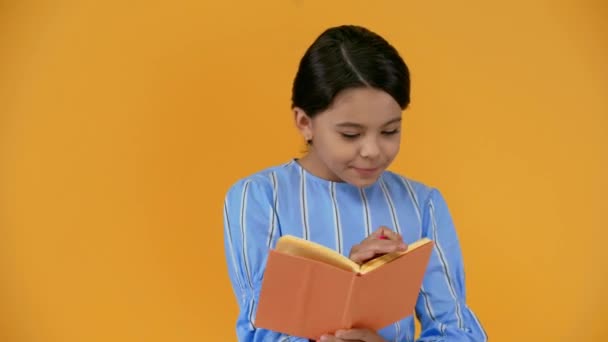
(366, 171)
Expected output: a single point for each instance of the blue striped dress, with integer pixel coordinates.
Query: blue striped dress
(287, 199)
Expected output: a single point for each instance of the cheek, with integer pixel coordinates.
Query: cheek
(333, 146)
(341, 153)
(391, 147)
(338, 154)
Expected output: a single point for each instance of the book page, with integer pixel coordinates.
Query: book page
(307, 249)
(386, 258)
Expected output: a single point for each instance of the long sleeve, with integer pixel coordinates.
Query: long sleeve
(441, 306)
(250, 229)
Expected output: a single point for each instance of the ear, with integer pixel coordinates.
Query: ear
(303, 123)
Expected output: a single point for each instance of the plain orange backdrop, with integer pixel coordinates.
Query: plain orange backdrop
(123, 123)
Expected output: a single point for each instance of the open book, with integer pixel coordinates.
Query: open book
(310, 290)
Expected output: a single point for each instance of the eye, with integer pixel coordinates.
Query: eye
(350, 135)
(394, 131)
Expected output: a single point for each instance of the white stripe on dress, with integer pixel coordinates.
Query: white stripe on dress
(230, 244)
(366, 213)
(244, 231)
(274, 209)
(427, 305)
(337, 224)
(391, 205)
(414, 200)
(304, 204)
(445, 265)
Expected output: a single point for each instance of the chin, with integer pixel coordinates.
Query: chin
(362, 182)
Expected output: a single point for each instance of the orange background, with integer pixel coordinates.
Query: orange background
(123, 124)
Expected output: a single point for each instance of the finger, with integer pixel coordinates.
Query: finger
(358, 334)
(330, 338)
(391, 234)
(361, 256)
(383, 246)
(384, 231)
(369, 249)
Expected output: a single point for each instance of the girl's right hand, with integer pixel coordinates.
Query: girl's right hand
(381, 241)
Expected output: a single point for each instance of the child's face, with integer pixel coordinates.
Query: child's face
(356, 138)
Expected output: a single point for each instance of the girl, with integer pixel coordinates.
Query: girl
(348, 97)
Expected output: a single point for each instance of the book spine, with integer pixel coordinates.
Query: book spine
(347, 317)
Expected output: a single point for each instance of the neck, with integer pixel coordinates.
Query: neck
(315, 166)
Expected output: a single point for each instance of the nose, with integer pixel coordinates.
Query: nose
(369, 149)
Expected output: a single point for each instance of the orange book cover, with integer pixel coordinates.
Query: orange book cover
(309, 290)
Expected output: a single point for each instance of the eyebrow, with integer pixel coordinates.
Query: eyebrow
(356, 125)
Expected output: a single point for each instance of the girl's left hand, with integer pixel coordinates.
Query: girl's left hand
(353, 335)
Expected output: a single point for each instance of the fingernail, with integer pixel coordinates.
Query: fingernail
(324, 338)
(402, 246)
